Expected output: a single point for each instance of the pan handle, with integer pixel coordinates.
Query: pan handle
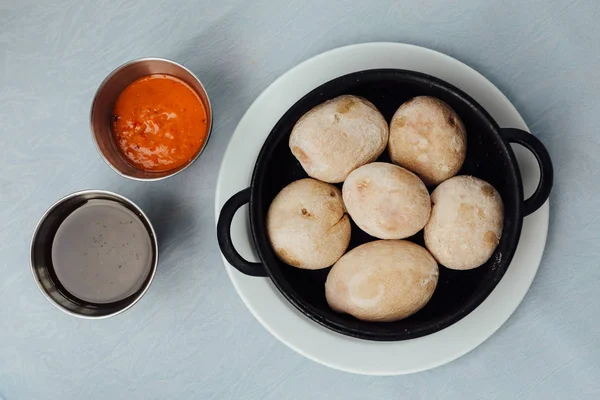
(224, 236)
(533, 144)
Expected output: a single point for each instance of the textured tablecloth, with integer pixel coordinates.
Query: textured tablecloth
(191, 337)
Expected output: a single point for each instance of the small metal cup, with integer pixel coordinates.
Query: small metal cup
(43, 269)
(104, 101)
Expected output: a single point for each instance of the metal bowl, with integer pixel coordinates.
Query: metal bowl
(43, 269)
(103, 104)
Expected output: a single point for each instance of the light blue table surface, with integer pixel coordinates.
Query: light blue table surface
(191, 337)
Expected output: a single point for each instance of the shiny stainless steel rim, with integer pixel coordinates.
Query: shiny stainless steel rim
(73, 195)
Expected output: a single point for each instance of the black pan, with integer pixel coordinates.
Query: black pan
(489, 157)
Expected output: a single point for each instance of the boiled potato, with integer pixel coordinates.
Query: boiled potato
(307, 224)
(336, 137)
(385, 280)
(428, 138)
(386, 201)
(466, 222)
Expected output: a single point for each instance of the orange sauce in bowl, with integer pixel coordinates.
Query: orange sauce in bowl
(159, 123)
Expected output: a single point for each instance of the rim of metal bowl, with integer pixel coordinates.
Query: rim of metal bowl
(51, 209)
(112, 74)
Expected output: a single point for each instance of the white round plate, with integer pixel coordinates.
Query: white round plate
(281, 318)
